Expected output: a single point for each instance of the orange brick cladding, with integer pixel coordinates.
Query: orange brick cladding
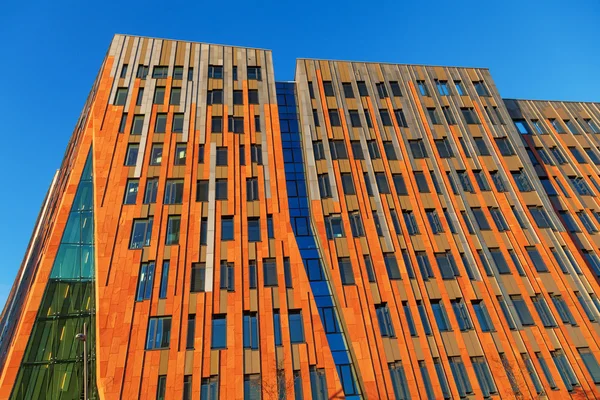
(356, 106)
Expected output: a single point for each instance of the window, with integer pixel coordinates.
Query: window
(159, 95)
(296, 326)
(442, 88)
(483, 374)
(338, 149)
(202, 190)
(592, 155)
(434, 221)
(214, 96)
(385, 321)
(461, 378)
(447, 265)
(256, 154)
(462, 314)
(250, 327)
(270, 272)
(227, 228)
(254, 229)
(140, 97)
(409, 319)
(421, 182)
(180, 153)
(560, 158)
(537, 124)
(522, 181)
(235, 124)
(386, 120)
(348, 183)
(191, 332)
(556, 125)
(164, 280)
(318, 384)
(505, 147)
(423, 88)
(399, 184)
(499, 220)
(160, 71)
(441, 318)
(254, 73)
(400, 118)
(198, 277)
(362, 88)
(216, 124)
(450, 221)
(159, 333)
(433, 116)
(142, 71)
(522, 126)
(141, 233)
(417, 148)
(357, 150)
(156, 154)
(334, 226)
(506, 312)
(121, 97)
(581, 186)
(480, 88)
(482, 182)
(465, 181)
(253, 96)
(161, 387)
(227, 277)
(564, 369)
(563, 309)
(463, 145)
(348, 92)
(174, 191)
(591, 125)
(382, 183)
(522, 310)
(221, 189)
(190, 76)
(356, 224)
(175, 98)
(334, 118)
(161, 123)
(131, 191)
(324, 186)
(391, 266)
(411, 222)
(355, 119)
(540, 217)
(369, 268)
(252, 189)
(569, 222)
(483, 316)
(145, 281)
(399, 382)
(346, 273)
(219, 331)
(469, 116)
(215, 71)
(373, 149)
(173, 226)
(367, 181)
(151, 190)
(221, 156)
(203, 230)
(459, 88)
(123, 123)
(499, 261)
(444, 148)
(546, 370)
(318, 151)
(577, 155)
(540, 305)
(395, 89)
(328, 88)
(381, 90)
(590, 363)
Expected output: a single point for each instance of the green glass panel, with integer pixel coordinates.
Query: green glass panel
(73, 229)
(52, 366)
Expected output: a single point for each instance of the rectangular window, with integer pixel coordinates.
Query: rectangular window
(356, 224)
(252, 189)
(145, 281)
(254, 229)
(296, 326)
(442, 88)
(253, 96)
(121, 96)
(433, 116)
(338, 149)
(434, 221)
(563, 309)
(221, 189)
(175, 98)
(191, 333)
(219, 331)
(198, 278)
(399, 382)
(173, 191)
(161, 387)
(214, 96)
(318, 384)
(348, 92)
(216, 124)
(346, 273)
(556, 125)
(470, 116)
(348, 183)
(540, 305)
(381, 90)
(400, 118)
(590, 363)
(444, 148)
(485, 322)
(250, 327)
(483, 374)
(173, 226)
(256, 154)
(422, 88)
(227, 276)
(411, 222)
(441, 318)
(142, 71)
(328, 88)
(156, 154)
(334, 226)
(235, 124)
(480, 219)
(546, 370)
(141, 233)
(522, 181)
(385, 321)
(270, 272)
(480, 88)
(564, 369)
(222, 156)
(226, 228)
(254, 73)
(334, 117)
(459, 372)
(499, 220)
(180, 154)
(522, 310)
(215, 71)
(391, 266)
(462, 314)
(151, 191)
(418, 148)
(159, 333)
(161, 123)
(131, 191)
(202, 190)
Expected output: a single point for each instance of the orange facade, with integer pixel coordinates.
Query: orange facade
(369, 231)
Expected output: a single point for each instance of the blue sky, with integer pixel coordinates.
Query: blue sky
(536, 49)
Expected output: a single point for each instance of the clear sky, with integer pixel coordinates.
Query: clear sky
(52, 50)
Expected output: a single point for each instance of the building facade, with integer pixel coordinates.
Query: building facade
(368, 231)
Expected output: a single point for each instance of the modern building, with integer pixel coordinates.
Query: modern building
(368, 231)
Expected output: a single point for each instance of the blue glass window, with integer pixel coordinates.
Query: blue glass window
(145, 281)
(250, 323)
(219, 332)
(159, 333)
(296, 326)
